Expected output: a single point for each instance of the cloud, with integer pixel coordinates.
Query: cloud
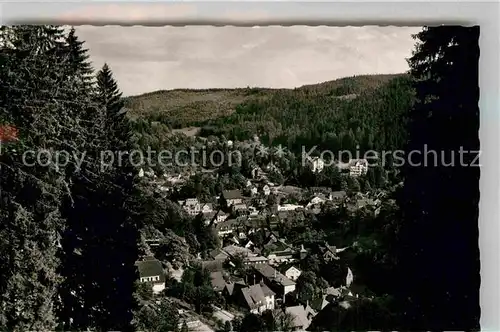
(126, 12)
(145, 59)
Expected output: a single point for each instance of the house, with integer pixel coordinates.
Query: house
(293, 273)
(328, 252)
(253, 211)
(221, 216)
(141, 173)
(207, 208)
(257, 298)
(359, 204)
(274, 279)
(249, 244)
(319, 303)
(232, 197)
(219, 255)
(217, 280)
(191, 206)
(233, 288)
(302, 316)
(288, 207)
(253, 260)
(236, 250)
(316, 164)
(282, 256)
(358, 167)
(338, 195)
(254, 191)
(316, 200)
(191, 201)
(226, 227)
(242, 207)
(151, 271)
(267, 190)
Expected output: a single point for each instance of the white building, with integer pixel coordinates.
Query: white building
(267, 190)
(317, 164)
(221, 216)
(316, 200)
(278, 257)
(258, 298)
(293, 273)
(232, 197)
(358, 167)
(151, 271)
(207, 208)
(349, 278)
(288, 207)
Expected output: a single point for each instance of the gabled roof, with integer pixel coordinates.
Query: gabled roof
(273, 275)
(299, 316)
(150, 268)
(319, 303)
(255, 295)
(232, 194)
(218, 282)
(231, 223)
(232, 286)
(266, 290)
(292, 268)
(339, 194)
(218, 254)
(208, 205)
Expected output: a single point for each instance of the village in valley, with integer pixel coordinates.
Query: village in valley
(239, 179)
(265, 259)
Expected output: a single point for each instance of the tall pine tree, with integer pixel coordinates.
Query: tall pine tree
(438, 253)
(36, 99)
(99, 292)
(110, 98)
(77, 58)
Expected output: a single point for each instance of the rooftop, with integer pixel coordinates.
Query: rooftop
(150, 268)
(273, 275)
(299, 316)
(232, 194)
(254, 296)
(217, 280)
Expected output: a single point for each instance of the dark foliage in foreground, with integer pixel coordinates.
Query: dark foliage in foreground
(439, 254)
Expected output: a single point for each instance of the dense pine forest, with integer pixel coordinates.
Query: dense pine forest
(72, 229)
(355, 113)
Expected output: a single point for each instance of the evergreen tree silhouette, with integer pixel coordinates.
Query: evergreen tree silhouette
(438, 270)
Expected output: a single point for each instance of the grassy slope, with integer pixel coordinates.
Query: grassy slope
(194, 107)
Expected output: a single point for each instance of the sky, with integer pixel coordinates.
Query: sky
(145, 59)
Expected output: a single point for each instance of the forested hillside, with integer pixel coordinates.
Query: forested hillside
(369, 111)
(73, 229)
(340, 118)
(181, 108)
